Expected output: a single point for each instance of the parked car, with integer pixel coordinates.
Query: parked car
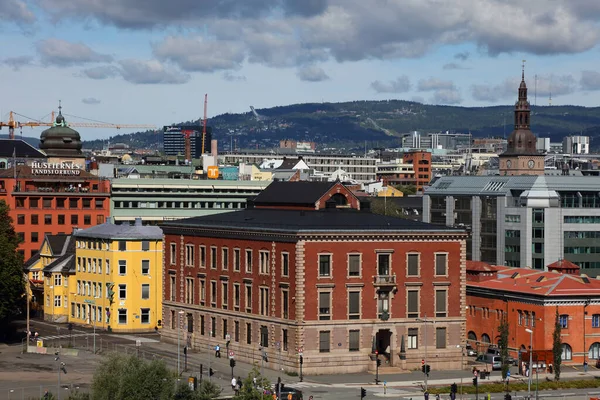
(471, 352)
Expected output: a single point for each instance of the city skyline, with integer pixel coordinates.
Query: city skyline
(139, 62)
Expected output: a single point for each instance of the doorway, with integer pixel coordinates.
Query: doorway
(383, 341)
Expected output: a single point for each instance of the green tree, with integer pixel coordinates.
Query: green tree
(381, 206)
(408, 190)
(205, 391)
(122, 377)
(12, 281)
(556, 346)
(503, 344)
(251, 390)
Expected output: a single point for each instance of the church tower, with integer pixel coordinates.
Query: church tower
(521, 156)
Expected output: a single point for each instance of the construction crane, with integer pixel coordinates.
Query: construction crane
(204, 122)
(12, 123)
(189, 132)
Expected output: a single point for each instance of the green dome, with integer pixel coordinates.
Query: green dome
(60, 140)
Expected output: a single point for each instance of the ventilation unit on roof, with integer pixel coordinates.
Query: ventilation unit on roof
(494, 186)
(444, 185)
(516, 274)
(540, 279)
(585, 279)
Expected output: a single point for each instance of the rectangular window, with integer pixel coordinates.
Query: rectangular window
(384, 264)
(57, 301)
(122, 316)
(60, 202)
(596, 321)
(35, 219)
(224, 295)
(145, 267)
(57, 280)
(413, 338)
(173, 253)
(284, 334)
(47, 219)
(285, 295)
(122, 245)
(236, 296)
(324, 306)
(354, 340)
(224, 258)
(98, 203)
(34, 237)
(564, 321)
(213, 327)
(73, 203)
(412, 265)
(47, 202)
(441, 264)
(189, 255)
(213, 258)
(21, 219)
(354, 305)
(172, 288)
(145, 291)
(248, 299)
(122, 267)
(248, 333)
(248, 261)
(264, 301)
(325, 265)
(236, 331)
(202, 325)
(324, 339)
(441, 299)
(61, 219)
(34, 202)
(145, 312)
(202, 291)
(74, 219)
(86, 203)
(236, 260)
(225, 328)
(213, 293)
(122, 291)
(202, 256)
(285, 264)
(264, 262)
(412, 304)
(440, 338)
(87, 219)
(264, 336)
(353, 264)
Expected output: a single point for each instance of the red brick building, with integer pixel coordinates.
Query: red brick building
(529, 299)
(392, 173)
(337, 284)
(52, 198)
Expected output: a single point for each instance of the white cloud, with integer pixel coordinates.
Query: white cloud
(63, 54)
(399, 85)
(91, 101)
(150, 72)
(312, 73)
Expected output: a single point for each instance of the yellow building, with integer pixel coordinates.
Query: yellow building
(389, 191)
(117, 284)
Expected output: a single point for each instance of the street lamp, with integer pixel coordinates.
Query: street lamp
(530, 360)
(179, 314)
(425, 321)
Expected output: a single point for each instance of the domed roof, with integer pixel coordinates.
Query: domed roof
(522, 141)
(60, 140)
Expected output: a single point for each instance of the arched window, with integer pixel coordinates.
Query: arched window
(2, 164)
(567, 352)
(339, 199)
(594, 352)
(472, 336)
(485, 338)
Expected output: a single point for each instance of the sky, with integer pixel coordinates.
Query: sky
(152, 61)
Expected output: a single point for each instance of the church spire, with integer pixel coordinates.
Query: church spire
(522, 111)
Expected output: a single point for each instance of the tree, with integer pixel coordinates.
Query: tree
(12, 281)
(387, 207)
(122, 377)
(556, 346)
(408, 190)
(205, 391)
(251, 390)
(503, 344)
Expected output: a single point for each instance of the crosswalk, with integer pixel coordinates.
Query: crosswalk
(65, 336)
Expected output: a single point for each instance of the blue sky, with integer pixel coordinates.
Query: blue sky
(151, 61)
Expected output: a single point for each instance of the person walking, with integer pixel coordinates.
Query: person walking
(233, 383)
(218, 351)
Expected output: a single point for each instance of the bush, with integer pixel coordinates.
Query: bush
(499, 387)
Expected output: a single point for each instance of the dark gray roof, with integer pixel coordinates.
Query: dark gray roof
(65, 262)
(32, 260)
(108, 230)
(292, 193)
(57, 242)
(20, 149)
(295, 221)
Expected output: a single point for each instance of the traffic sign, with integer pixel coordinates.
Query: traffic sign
(228, 337)
(300, 351)
(508, 373)
(231, 354)
(475, 372)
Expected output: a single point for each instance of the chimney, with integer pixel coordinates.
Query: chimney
(213, 148)
(138, 221)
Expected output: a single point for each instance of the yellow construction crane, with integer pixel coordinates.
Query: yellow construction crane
(12, 124)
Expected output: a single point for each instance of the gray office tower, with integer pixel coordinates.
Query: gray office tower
(174, 140)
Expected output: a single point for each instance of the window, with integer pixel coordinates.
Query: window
(567, 352)
(236, 260)
(264, 262)
(213, 326)
(412, 262)
(213, 293)
(34, 202)
(87, 219)
(145, 267)
(441, 264)
(354, 305)
(248, 300)
(263, 295)
(412, 304)
(440, 338)
(189, 255)
(57, 280)
(353, 264)
(107, 266)
(98, 203)
(441, 297)
(173, 253)
(564, 321)
(225, 328)
(122, 291)
(34, 237)
(325, 265)
(61, 219)
(284, 334)
(512, 218)
(324, 306)
(20, 202)
(122, 267)
(248, 333)
(47, 202)
(74, 219)
(145, 291)
(264, 336)
(86, 203)
(224, 258)
(248, 260)
(145, 312)
(47, 219)
(594, 352)
(236, 296)
(35, 219)
(202, 256)
(383, 264)
(285, 264)
(21, 219)
(122, 316)
(202, 327)
(596, 321)
(285, 296)
(413, 338)
(57, 301)
(122, 245)
(172, 287)
(224, 295)
(202, 291)
(60, 202)
(354, 340)
(213, 258)
(324, 339)
(236, 331)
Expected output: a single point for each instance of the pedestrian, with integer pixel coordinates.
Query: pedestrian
(437, 396)
(254, 381)
(585, 365)
(238, 386)
(218, 351)
(233, 383)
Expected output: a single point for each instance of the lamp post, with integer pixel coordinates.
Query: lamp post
(179, 314)
(530, 360)
(462, 366)
(27, 289)
(425, 321)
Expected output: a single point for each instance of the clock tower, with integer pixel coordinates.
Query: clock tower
(521, 156)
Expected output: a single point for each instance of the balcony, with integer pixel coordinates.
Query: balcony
(384, 280)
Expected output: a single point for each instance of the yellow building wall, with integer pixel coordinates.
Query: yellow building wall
(56, 287)
(258, 175)
(91, 303)
(390, 191)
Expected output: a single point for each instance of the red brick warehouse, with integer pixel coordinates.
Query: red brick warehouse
(338, 283)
